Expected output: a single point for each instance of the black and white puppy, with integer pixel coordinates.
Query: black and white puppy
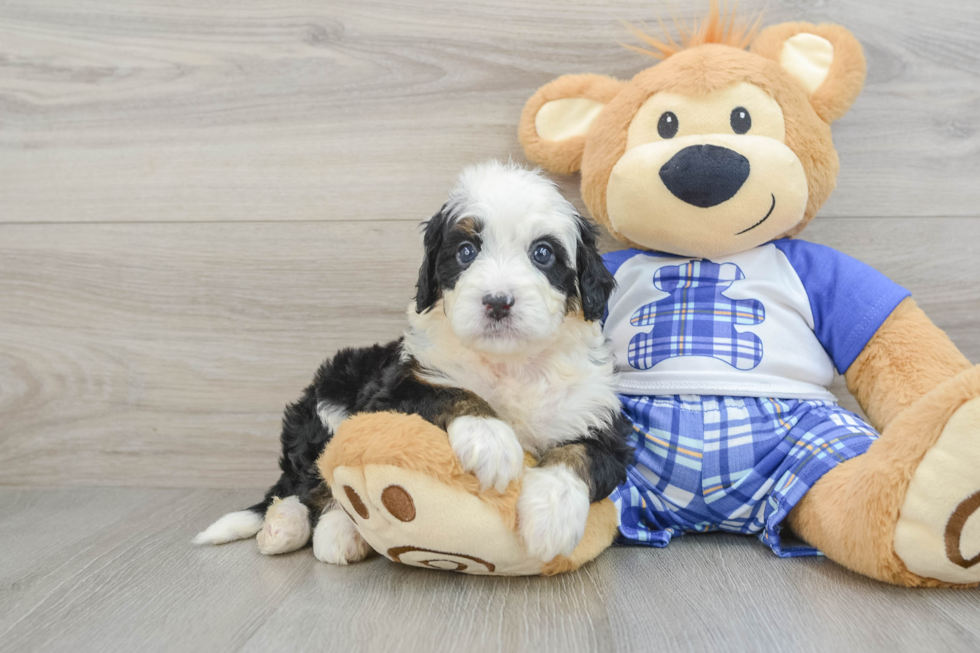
(504, 351)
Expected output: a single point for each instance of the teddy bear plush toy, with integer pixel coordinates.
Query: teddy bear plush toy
(726, 330)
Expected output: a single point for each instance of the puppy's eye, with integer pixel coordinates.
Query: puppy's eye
(465, 253)
(543, 255)
(667, 127)
(740, 120)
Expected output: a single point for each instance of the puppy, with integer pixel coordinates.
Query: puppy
(504, 351)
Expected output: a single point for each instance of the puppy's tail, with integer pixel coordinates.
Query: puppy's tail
(233, 526)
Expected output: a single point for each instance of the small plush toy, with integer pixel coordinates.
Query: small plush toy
(726, 333)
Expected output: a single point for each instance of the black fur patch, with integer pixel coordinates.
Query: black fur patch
(599, 460)
(427, 290)
(609, 454)
(595, 282)
(560, 274)
(440, 268)
(369, 379)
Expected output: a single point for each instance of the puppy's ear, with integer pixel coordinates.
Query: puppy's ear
(427, 287)
(595, 282)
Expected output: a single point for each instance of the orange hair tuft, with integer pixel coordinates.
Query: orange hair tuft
(719, 26)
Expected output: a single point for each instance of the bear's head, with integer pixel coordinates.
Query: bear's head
(715, 150)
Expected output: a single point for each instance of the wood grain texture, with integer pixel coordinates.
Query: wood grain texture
(163, 354)
(174, 110)
(102, 569)
(199, 201)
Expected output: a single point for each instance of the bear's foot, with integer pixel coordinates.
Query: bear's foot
(908, 510)
(938, 530)
(399, 482)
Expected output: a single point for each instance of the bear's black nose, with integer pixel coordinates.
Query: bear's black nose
(705, 175)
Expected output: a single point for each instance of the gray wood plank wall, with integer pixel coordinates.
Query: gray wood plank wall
(200, 201)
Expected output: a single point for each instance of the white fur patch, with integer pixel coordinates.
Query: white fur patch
(331, 415)
(336, 540)
(488, 448)
(551, 395)
(552, 510)
(286, 527)
(233, 526)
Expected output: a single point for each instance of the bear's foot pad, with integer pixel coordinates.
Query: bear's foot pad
(938, 530)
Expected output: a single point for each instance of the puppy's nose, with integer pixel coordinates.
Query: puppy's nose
(705, 175)
(498, 306)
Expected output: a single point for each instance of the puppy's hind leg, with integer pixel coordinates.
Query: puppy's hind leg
(336, 540)
(286, 527)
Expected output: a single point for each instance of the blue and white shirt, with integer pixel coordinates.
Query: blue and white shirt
(773, 321)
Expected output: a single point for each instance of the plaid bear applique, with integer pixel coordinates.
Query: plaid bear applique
(697, 319)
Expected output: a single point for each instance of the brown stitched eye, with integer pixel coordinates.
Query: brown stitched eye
(667, 127)
(740, 120)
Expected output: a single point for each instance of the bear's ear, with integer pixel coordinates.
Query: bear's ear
(558, 116)
(825, 59)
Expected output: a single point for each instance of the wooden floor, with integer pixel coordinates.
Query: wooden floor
(110, 569)
(201, 200)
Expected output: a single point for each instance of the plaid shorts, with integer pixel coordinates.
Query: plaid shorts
(735, 464)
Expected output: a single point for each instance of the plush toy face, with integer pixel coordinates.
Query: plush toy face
(714, 151)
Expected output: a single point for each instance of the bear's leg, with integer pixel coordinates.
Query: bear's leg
(908, 511)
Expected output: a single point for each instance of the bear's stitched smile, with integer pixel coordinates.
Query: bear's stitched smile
(762, 220)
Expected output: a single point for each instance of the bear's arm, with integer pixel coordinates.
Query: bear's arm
(906, 357)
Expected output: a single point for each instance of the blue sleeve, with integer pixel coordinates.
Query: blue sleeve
(849, 299)
(614, 260)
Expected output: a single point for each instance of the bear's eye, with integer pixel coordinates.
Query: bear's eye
(741, 121)
(465, 253)
(667, 127)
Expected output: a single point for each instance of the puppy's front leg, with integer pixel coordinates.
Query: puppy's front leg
(554, 504)
(336, 540)
(488, 448)
(555, 496)
(484, 445)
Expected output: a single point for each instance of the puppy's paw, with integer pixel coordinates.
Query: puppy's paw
(336, 540)
(488, 448)
(552, 510)
(286, 527)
